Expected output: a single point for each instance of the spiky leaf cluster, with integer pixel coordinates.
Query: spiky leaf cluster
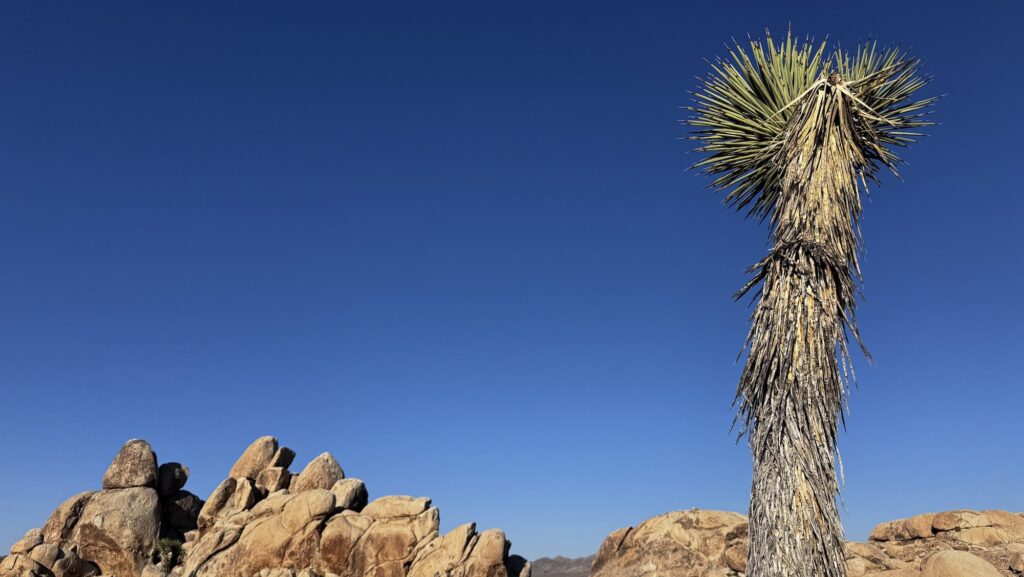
(743, 107)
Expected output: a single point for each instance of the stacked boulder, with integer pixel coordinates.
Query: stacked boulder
(264, 521)
(113, 531)
(961, 543)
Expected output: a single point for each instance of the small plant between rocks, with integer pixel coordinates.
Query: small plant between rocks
(166, 553)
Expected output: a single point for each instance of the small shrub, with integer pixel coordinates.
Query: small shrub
(167, 552)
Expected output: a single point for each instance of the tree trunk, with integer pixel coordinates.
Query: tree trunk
(793, 387)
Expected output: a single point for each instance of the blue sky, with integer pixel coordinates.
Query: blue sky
(456, 245)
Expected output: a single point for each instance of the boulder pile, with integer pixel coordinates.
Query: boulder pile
(262, 521)
(703, 543)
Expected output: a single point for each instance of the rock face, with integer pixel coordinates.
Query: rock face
(118, 529)
(961, 543)
(262, 521)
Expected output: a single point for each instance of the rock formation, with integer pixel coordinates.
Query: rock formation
(262, 521)
(113, 531)
(714, 544)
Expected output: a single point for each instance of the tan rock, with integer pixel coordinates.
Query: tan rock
(29, 541)
(272, 505)
(273, 479)
(216, 503)
(68, 564)
(870, 552)
(444, 555)
(134, 466)
(321, 473)
(258, 456)
(1003, 518)
(286, 540)
(350, 494)
(962, 519)
(1016, 562)
(488, 556)
(338, 542)
(735, 557)
(387, 546)
(63, 519)
(990, 536)
(957, 564)
(118, 529)
(396, 506)
(211, 545)
(231, 497)
(679, 543)
(46, 554)
(22, 566)
(307, 507)
(856, 567)
(357, 544)
(916, 527)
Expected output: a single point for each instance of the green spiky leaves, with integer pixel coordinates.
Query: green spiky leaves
(743, 107)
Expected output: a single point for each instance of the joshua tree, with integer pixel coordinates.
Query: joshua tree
(794, 135)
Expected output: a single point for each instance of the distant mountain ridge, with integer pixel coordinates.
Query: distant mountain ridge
(562, 566)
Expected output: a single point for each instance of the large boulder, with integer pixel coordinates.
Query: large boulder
(231, 497)
(690, 542)
(118, 529)
(444, 555)
(258, 456)
(273, 479)
(383, 546)
(134, 466)
(350, 494)
(321, 473)
(958, 564)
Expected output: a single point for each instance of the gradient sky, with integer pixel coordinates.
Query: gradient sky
(456, 246)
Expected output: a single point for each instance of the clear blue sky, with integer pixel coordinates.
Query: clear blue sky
(456, 246)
